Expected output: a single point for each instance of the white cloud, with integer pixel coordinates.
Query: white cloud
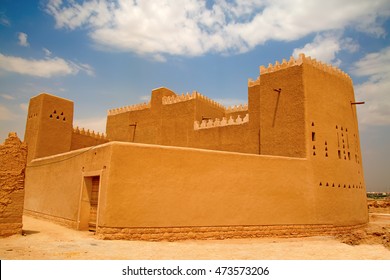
(98, 124)
(22, 37)
(4, 20)
(47, 52)
(7, 96)
(326, 46)
(44, 68)
(191, 28)
(376, 90)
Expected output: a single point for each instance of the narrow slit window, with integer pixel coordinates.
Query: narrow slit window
(313, 136)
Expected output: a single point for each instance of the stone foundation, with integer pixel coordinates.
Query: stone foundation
(218, 233)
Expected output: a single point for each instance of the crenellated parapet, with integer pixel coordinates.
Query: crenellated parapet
(90, 133)
(210, 123)
(326, 67)
(194, 95)
(252, 83)
(283, 65)
(166, 100)
(301, 59)
(135, 107)
(237, 108)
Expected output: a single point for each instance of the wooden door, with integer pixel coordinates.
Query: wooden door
(94, 203)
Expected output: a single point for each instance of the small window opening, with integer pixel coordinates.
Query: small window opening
(313, 136)
(51, 116)
(55, 112)
(339, 154)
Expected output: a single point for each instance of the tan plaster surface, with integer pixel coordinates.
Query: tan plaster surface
(46, 240)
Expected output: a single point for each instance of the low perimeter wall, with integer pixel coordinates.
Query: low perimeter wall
(150, 192)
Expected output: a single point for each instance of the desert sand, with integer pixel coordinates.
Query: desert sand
(45, 240)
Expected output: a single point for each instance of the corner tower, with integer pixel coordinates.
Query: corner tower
(49, 126)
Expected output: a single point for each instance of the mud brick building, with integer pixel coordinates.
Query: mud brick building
(183, 166)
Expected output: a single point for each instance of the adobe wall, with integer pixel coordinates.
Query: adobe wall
(273, 123)
(282, 112)
(13, 158)
(178, 193)
(82, 138)
(169, 120)
(333, 141)
(53, 184)
(176, 187)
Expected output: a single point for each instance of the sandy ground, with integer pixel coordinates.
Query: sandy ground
(44, 240)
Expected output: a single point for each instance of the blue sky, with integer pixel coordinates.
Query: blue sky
(106, 54)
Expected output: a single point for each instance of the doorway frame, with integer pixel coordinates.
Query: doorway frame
(84, 200)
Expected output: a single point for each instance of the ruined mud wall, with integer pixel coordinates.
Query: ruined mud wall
(13, 158)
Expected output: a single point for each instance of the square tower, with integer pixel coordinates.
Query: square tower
(49, 126)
